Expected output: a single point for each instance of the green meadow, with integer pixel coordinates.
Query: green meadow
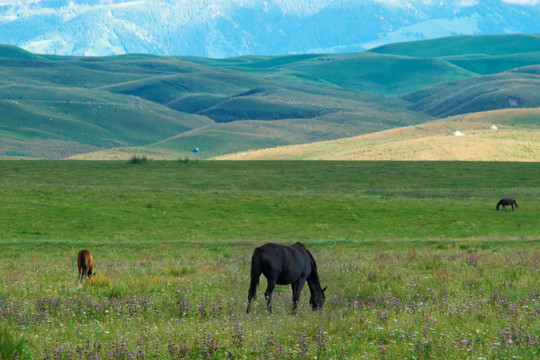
(418, 262)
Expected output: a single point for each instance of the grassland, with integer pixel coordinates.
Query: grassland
(418, 262)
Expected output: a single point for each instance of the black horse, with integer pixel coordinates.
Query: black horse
(505, 203)
(285, 265)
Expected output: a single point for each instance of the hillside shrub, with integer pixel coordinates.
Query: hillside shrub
(138, 159)
(186, 160)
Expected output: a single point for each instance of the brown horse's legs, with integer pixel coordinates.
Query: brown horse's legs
(84, 273)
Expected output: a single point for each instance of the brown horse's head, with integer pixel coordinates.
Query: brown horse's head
(85, 264)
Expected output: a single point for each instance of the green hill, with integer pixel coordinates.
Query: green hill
(14, 52)
(377, 73)
(517, 88)
(54, 122)
(59, 106)
(494, 45)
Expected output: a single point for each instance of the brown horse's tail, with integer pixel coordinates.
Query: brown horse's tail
(255, 275)
(81, 265)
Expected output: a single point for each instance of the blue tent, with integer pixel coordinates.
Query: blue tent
(196, 150)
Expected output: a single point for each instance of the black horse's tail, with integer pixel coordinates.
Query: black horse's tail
(255, 275)
(515, 203)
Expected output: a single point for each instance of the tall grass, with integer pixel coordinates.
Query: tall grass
(12, 345)
(384, 299)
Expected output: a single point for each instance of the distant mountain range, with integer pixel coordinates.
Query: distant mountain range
(227, 28)
(165, 106)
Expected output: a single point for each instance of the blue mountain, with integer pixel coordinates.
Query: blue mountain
(227, 28)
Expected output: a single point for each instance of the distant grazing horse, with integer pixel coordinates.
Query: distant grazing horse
(506, 202)
(85, 264)
(285, 265)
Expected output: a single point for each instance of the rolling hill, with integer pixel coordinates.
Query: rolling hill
(162, 106)
(510, 89)
(500, 135)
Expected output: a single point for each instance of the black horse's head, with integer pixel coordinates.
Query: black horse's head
(317, 299)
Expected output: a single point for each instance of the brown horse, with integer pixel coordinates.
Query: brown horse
(85, 264)
(505, 203)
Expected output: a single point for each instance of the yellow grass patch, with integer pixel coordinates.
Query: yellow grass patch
(101, 281)
(126, 153)
(430, 141)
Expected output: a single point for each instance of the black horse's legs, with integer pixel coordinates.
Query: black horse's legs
(251, 295)
(294, 287)
(249, 303)
(268, 293)
(296, 290)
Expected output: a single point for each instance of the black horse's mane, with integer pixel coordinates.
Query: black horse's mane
(314, 276)
(313, 263)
